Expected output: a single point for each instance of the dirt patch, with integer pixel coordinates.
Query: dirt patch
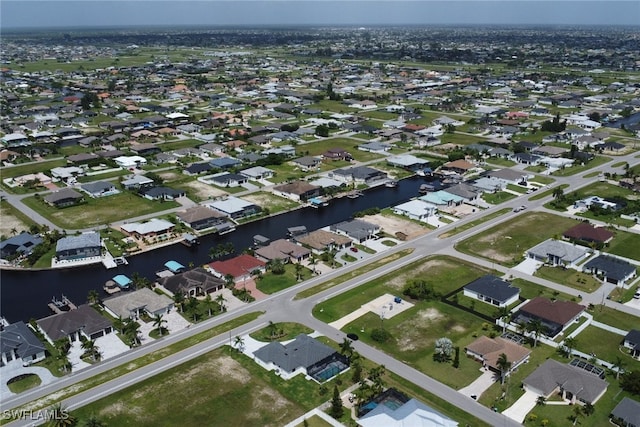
(392, 224)
(412, 334)
(458, 328)
(169, 176)
(204, 191)
(10, 225)
(260, 199)
(227, 367)
(430, 314)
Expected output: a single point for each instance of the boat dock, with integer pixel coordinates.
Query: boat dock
(61, 305)
(110, 262)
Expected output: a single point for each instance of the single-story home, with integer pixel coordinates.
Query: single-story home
(492, 290)
(586, 232)
(356, 229)
(133, 304)
(307, 163)
(572, 383)
(375, 147)
(611, 269)
(416, 209)
(202, 218)
(240, 267)
(302, 355)
(488, 350)
(225, 179)
(63, 198)
(83, 321)
(235, 207)
(18, 342)
(298, 191)
(555, 316)
(359, 175)
(155, 227)
(322, 240)
(558, 252)
(191, 283)
(22, 243)
(410, 413)
(632, 342)
(626, 413)
(257, 172)
(129, 162)
(136, 182)
(85, 245)
(282, 249)
(99, 189)
(162, 193)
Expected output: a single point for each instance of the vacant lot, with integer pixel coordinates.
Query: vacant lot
(391, 224)
(506, 242)
(200, 392)
(95, 212)
(13, 221)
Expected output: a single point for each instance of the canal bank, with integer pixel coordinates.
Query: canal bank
(25, 294)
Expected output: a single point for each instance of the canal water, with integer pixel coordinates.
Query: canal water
(25, 294)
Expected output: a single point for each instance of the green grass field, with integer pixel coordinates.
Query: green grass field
(605, 345)
(271, 283)
(597, 161)
(569, 277)
(497, 198)
(471, 224)
(97, 212)
(505, 243)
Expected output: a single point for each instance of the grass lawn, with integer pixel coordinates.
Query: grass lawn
(471, 224)
(549, 192)
(625, 244)
(569, 277)
(271, 283)
(333, 106)
(605, 345)
(314, 421)
(597, 161)
(23, 383)
(506, 242)
(380, 115)
(499, 161)
(352, 274)
(517, 188)
(543, 179)
(319, 147)
(96, 212)
(614, 317)
(530, 290)
(444, 273)
(258, 398)
(498, 197)
(273, 203)
(282, 331)
(34, 167)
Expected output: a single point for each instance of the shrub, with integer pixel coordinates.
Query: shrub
(380, 335)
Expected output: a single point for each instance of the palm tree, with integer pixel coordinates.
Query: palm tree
(93, 297)
(375, 375)
(541, 401)
(570, 344)
(14, 231)
(535, 326)
(503, 315)
(178, 299)
(93, 421)
(65, 363)
(577, 413)
(298, 268)
(238, 343)
(618, 365)
(588, 409)
(60, 417)
(158, 321)
(313, 261)
(273, 329)
(229, 280)
(346, 348)
(221, 300)
(131, 331)
(504, 365)
(208, 303)
(90, 347)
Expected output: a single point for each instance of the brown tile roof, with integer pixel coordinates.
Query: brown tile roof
(320, 239)
(559, 312)
(198, 213)
(589, 233)
(296, 187)
(459, 164)
(491, 348)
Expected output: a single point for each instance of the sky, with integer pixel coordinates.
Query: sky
(117, 13)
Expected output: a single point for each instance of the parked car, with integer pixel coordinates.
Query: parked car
(353, 249)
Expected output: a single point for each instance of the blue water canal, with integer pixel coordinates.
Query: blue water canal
(25, 294)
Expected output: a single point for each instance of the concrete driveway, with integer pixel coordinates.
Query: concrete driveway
(481, 384)
(15, 368)
(528, 266)
(519, 410)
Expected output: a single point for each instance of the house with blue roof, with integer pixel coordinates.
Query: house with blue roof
(23, 243)
(442, 198)
(85, 245)
(225, 162)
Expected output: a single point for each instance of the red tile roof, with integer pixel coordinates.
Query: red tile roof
(589, 233)
(238, 266)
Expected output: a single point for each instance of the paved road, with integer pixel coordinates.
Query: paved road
(281, 307)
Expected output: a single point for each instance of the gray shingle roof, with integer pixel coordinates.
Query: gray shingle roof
(615, 268)
(17, 336)
(83, 318)
(493, 287)
(85, 240)
(628, 410)
(304, 352)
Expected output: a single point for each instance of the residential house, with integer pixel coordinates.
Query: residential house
(356, 229)
(82, 246)
(191, 283)
(409, 162)
(99, 189)
(322, 240)
(492, 290)
(130, 162)
(375, 147)
(304, 355)
(585, 232)
(131, 305)
(409, 413)
(526, 159)
(137, 182)
(68, 174)
(202, 218)
(307, 163)
(19, 343)
(240, 267)
(235, 208)
(337, 154)
(299, 191)
(20, 244)
(161, 193)
(611, 269)
(573, 384)
(155, 228)
(197, 168)
(558, 252)
(632, 342)
(442, 199)
(257, 173)
(467, 192)
(226, 179)
(626, 413)
(555, 316)
(459, 166)
(359, 175)
(82, 322)
(511, 176)
(488, 351)
(225, 163)
(284, 250)
(597, 201)
(418, 210)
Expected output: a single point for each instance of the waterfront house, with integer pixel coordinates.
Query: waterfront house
(356, 229)
(322, 240)
(191, 283)
(235, 207)
(82, 246)
(131, 305)
(239, 267)
(19, 343)
(416, 209)
(492, 290)
(359, 175)
(282, 249)
(202, 218)
(155, 228)
(299, 191)
(23, 244)
(75, 324)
